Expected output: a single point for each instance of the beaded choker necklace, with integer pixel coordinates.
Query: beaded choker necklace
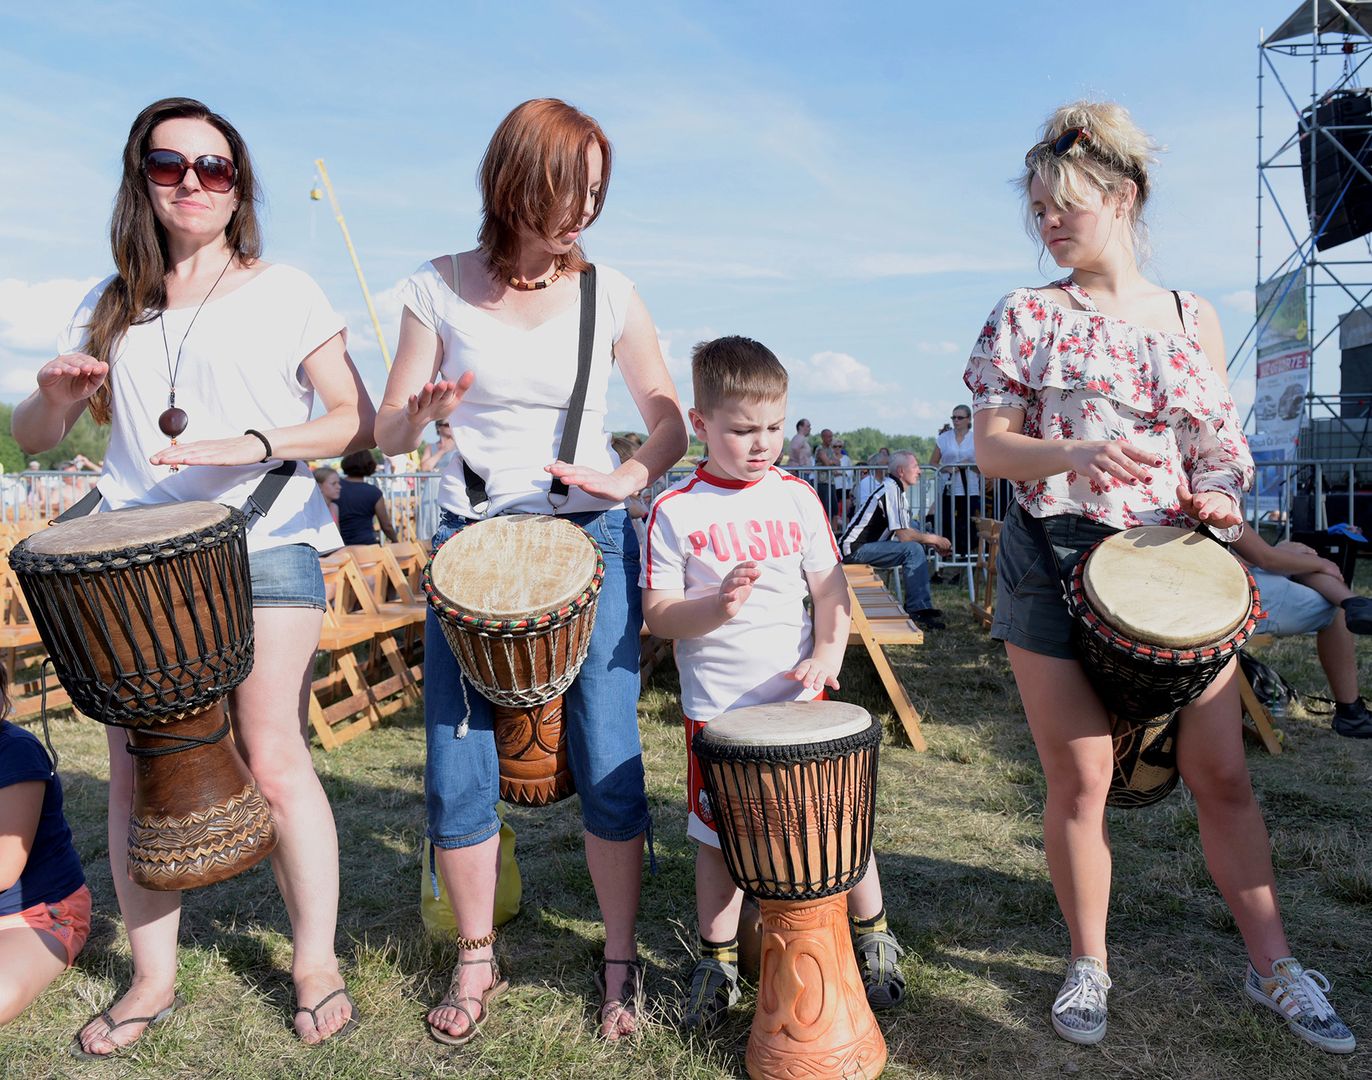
(541, 283)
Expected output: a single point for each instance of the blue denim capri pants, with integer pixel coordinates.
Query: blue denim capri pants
(461, 776)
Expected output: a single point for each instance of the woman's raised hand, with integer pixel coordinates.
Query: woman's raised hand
(1104, 461)
(1213, 508)
(70, 378)
(437, 400)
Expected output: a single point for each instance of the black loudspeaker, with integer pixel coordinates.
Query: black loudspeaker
(1341, 202)
(1355, 382)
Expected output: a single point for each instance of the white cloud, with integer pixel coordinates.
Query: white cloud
(905, 264)
(837, 373)
(1241, 300)
(33, 314)
(941, 348)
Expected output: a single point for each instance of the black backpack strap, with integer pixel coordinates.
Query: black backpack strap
(576, 405)
(81, 507)
(267, 491)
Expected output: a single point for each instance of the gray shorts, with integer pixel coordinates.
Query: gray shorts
(1289, 607)
(1030, 609)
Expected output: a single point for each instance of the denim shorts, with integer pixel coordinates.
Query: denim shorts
(287, 576)
(461, 775)
(1288, 607)
(1031, 611)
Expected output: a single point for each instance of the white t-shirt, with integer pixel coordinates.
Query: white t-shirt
(241, 367)
(698, 530)
(953, 452)
(509, 424)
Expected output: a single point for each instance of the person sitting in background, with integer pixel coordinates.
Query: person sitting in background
(359, 502)
(881, 534)
(1303, 593)
(329, 484)
(45, 906)
(436, 458)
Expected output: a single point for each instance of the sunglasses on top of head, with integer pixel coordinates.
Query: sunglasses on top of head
(1058, 147)
(167, 168)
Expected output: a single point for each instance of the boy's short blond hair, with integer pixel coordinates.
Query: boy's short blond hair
(735, 369)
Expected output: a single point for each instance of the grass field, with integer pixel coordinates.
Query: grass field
(966, 885)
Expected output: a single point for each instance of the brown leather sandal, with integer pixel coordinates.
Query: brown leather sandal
(349, 1025)
(453, 999)
(77, 1050)
(629, 999)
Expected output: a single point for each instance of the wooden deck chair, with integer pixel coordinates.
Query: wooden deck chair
(343, 703)
(1258, 723)
(353, 602)
(23, 652)
(879, 620)
(988, 546)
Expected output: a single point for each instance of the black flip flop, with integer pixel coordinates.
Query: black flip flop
(77, 1050)
(349, 1025)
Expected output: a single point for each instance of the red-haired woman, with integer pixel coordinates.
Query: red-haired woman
(195, 334)
(489, 340)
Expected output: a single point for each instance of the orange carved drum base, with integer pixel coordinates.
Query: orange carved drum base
(532, 744)
(813, 1021)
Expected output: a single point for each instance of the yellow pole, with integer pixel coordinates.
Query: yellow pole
(361, 279)
(352, 254)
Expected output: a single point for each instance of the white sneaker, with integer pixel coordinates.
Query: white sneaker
(1299, 996)
(1079, 1011)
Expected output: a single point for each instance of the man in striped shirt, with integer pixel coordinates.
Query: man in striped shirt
(881, 534)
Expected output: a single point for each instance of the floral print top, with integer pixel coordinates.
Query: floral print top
(1080, 374)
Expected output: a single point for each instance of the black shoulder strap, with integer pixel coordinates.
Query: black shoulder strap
(576, 405)
(263, 496)
(1181, 313)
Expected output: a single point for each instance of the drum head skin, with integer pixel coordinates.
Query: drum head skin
(514, 567)
(135, 526)
(788, 723)
(1160, 585)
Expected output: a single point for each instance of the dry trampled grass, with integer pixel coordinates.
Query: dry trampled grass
(960, 851)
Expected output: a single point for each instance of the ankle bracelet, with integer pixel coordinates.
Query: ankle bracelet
(468, 944)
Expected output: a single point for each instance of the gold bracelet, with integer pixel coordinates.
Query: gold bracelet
(467, 944)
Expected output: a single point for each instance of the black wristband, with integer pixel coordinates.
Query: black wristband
(265, 444)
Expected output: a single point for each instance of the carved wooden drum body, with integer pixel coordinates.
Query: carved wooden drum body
(516, 598)
(147, 615)
(793, 791)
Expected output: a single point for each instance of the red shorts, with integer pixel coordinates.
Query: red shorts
(68, 920)
(700, 818)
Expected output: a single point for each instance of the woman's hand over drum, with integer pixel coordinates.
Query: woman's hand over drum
(1104, 461)
(437, 400)
(1213, 508)
(736, 587)
(241, 450)
(814, 674)
(602, 485)
(70, 378)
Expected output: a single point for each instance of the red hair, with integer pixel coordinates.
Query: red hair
(534, 177)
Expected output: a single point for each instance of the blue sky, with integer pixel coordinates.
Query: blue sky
(830, 179)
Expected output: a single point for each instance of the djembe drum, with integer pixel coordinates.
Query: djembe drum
(792, 788)
(1159, 612)
(516, 598)
(147, 615)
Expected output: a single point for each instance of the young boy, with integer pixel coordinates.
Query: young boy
(732, 552)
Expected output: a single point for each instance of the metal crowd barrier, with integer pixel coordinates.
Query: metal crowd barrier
(40, 495)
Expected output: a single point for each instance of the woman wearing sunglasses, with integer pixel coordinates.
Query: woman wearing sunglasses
(489, 340)
(1103, 397)
(206, 360)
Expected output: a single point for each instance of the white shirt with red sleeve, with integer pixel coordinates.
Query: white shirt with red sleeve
(699, 530)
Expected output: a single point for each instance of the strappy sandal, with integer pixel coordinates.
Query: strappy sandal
(455, 1000)
(878, 955)
(629, 999)
(112, 1025)
(349, 1025)
(714, 987)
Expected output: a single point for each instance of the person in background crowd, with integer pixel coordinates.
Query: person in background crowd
(437, 457)
(1303, 593)
(826, 455)
(843, 483)
(870, 478)
(329, 484)
(361, 505)
(799, 455)
(881, 534)
(960, 486)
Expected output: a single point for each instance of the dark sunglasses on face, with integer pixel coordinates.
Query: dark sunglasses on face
(1058, 147)
(167, 168)
(960, 416)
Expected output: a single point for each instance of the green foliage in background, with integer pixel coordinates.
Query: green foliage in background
(86, 437)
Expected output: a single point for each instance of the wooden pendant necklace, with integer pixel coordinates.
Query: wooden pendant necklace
(174, 421)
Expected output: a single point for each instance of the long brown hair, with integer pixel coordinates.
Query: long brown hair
(138, 291)
(533, 175)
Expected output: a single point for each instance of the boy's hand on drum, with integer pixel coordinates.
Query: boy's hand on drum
(602, 485)
(1102, 461)
(241, 450)
(1213, 508)
(70, 378)
(814, 675)
(437, 400)
(736, 587)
